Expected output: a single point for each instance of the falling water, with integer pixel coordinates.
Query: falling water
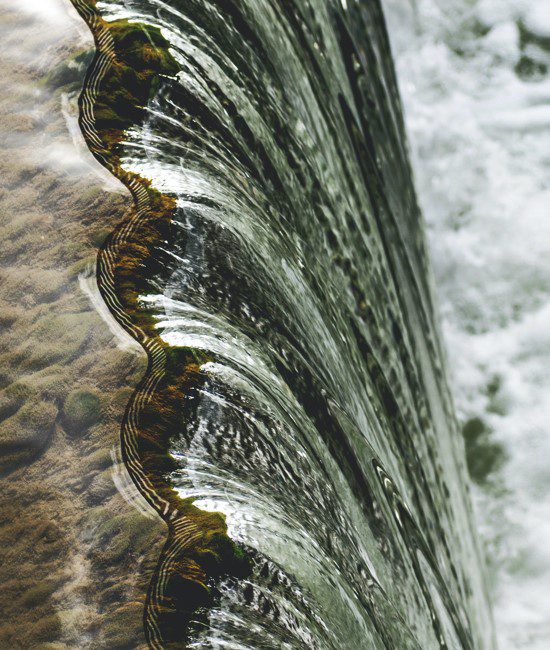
(296, 383)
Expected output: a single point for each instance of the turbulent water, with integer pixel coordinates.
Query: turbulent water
(475, 82)
(294, 268)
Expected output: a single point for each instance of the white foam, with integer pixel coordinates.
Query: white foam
(537, 17)
(480, 139)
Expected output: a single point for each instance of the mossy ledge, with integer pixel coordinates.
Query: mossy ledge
(130, 62)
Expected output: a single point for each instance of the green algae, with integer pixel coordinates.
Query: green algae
(117, 625)
(82, 409)
(26, 433)
(99, 460)
(38, 594)
(484, 456)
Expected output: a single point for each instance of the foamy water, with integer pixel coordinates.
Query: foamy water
(476, 91)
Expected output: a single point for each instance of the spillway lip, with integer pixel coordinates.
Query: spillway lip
(130, 62)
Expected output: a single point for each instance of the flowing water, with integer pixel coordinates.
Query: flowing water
(315, 414)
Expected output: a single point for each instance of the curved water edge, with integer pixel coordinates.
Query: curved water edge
(274, 270)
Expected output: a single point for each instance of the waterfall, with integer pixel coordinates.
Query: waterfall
(294, 428)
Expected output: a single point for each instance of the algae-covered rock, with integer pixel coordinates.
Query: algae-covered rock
(54, 339)
(122, 628)
(82, 265)
(100, 459)
(51, 383)
(81, 410)
(101, 487)
(45, 285)
(99, 236)
(26, 433)
(38, 594)
(483, 455)
(120, 399)
(47, 628)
